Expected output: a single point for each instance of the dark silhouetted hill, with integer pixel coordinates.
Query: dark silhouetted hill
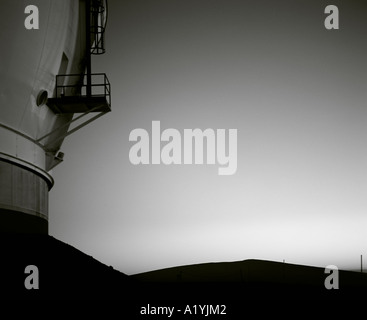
(64, 271)
(254, 279)
(67, 273)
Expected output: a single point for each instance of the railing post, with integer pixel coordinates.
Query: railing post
(105, 89)
(88, 48)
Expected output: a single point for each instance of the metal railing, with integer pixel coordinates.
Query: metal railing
(74, 86)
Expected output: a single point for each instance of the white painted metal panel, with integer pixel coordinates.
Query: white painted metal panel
(31, 59)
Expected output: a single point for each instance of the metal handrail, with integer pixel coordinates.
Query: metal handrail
(61, 87)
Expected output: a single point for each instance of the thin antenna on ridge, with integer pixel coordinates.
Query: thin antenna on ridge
(361, 264)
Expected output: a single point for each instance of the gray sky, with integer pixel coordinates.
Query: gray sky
(295, 92)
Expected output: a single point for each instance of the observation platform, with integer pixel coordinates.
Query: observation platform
(74, 96)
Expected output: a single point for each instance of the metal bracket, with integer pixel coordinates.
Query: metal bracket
(72, 130)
